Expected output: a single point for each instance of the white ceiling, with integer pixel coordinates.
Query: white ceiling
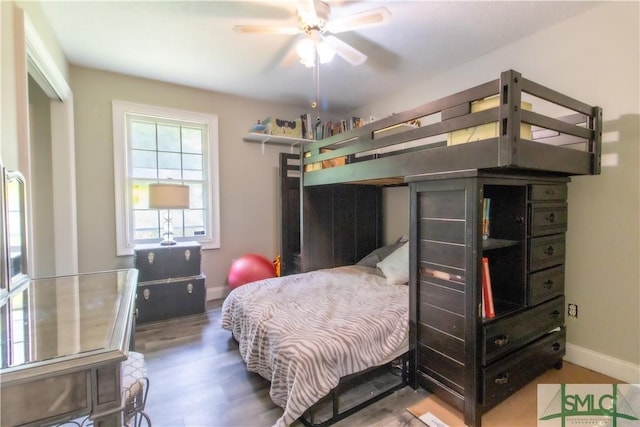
(192, 43)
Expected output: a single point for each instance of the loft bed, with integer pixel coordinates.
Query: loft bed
(529, 127)
(331, 200)
(526, 127)
(510, 125)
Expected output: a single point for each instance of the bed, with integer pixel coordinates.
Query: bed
(502, 128)
(506, 126)
(304, 332)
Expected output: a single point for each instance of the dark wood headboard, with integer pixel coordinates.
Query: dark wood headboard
(341, 223)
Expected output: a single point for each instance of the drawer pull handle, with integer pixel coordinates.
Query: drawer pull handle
(549, 251)
(502, 378)
(550, 192)
(554, 314)
(548, 284)
(190, 288)
(551, 217)
(501, 340)
(146, 293)
(555, 347)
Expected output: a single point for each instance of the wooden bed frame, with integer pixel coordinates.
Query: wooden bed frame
(567, 145)
(340, 177)
(398, 368)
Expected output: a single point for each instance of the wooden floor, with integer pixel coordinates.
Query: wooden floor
(198, 379)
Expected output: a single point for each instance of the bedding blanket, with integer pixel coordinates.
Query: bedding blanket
(305, 331)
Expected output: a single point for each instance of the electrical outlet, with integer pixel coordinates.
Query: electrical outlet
(372, 119)
(572, 310)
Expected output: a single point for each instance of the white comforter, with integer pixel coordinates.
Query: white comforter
(303, 332)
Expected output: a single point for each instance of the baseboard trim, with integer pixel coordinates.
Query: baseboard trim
(217, 293)
(607, 365)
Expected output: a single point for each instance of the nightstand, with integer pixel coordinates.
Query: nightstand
(170, 283)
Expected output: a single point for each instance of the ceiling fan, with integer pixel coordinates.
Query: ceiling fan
(319, 43)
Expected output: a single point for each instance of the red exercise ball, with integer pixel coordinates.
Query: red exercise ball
(249, 268)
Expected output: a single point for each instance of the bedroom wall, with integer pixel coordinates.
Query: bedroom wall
(593, 57)
(8, 100)
(248, 176)
(8, 119)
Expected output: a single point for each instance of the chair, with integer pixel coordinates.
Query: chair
(135, 386)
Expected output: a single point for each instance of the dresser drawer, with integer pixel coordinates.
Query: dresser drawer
(155, 262)
(165, 299)
(511, 373)
(544, 192)
(548, 218)
(546, 251)
(510, 333)
(545, 285)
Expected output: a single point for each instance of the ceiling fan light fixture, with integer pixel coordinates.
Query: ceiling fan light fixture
(325, 52)
(307, 49)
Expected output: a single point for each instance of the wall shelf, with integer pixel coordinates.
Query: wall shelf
(262, 138)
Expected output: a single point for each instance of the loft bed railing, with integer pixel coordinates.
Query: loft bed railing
(534, 128)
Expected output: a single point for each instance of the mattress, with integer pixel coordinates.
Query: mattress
(304, 332)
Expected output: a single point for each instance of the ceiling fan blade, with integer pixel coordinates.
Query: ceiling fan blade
(371, 18)
(307, 11)
(347, 52)
(266, 29)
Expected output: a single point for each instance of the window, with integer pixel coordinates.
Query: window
(154, 144)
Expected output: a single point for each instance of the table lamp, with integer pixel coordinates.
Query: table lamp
(168, 196)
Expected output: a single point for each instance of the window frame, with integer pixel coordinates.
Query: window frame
(125, 244)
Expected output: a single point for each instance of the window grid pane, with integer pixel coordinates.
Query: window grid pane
(178, 157)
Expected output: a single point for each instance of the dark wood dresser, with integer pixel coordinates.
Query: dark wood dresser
(464, 356)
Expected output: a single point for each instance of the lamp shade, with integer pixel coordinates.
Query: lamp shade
(168, 196)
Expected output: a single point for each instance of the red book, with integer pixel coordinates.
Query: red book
(487, 293)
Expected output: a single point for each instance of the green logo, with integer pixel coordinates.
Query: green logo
(595, 409)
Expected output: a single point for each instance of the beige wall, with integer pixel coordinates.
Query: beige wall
(8, 118)
(33, 10)
(8, 101)
(593, 57)
(248, 177)
(42, 181)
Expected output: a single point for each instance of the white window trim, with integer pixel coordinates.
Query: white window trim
(124, 240)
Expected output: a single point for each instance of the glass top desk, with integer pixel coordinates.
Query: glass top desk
(63, 340)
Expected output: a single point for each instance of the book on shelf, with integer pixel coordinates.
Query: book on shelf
(487, 291)
(323, 129)
(307, 126)
(486, 218)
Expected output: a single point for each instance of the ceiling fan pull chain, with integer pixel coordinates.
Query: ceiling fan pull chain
(316, 83)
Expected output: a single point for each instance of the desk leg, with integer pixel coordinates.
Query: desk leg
(106, 396)
(113, 420)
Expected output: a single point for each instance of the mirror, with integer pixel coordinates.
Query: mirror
(16, 238)
(4, 267)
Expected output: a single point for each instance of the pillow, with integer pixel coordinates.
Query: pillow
(377, 255)
(395, 267)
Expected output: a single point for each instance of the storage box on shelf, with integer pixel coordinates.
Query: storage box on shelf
(170, 283)
(487, 130)
(283, 127)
